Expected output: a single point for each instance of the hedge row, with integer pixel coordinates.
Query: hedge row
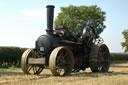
(11, 55)
(119, 57)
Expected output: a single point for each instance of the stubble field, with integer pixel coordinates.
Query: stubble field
(117, 75)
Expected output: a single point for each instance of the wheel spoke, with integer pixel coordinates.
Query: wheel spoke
(61, 53)
(40, 70)
(66, 55)
(29, 68)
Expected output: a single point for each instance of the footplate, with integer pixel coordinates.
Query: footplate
(36, 61)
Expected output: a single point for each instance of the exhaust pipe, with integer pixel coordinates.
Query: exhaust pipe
(50, 17)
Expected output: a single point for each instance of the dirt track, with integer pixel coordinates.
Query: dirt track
(118, 75)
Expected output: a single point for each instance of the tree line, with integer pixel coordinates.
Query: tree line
(10, 55)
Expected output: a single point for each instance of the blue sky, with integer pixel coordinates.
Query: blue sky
(23, 21)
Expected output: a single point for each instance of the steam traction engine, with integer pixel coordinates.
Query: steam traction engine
(65, 53)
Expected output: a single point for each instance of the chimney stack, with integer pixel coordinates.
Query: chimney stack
(50, 17)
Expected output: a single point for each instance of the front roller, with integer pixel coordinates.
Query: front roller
(26, 66)
(61, 61)
(99, 58)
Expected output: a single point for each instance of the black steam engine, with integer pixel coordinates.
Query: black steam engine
(65, 53)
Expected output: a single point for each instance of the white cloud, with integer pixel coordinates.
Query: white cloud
(34, 13)
(38, 13)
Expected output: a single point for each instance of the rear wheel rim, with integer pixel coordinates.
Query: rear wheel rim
(103, 61)
(99, 58)
(61, 61)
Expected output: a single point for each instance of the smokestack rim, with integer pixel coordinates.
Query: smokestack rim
(50, 6)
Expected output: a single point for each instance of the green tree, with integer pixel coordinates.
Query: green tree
(125, 43)
(75, 18)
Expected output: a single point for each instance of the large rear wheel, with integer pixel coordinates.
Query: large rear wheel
(99, 59)
(61, 61)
